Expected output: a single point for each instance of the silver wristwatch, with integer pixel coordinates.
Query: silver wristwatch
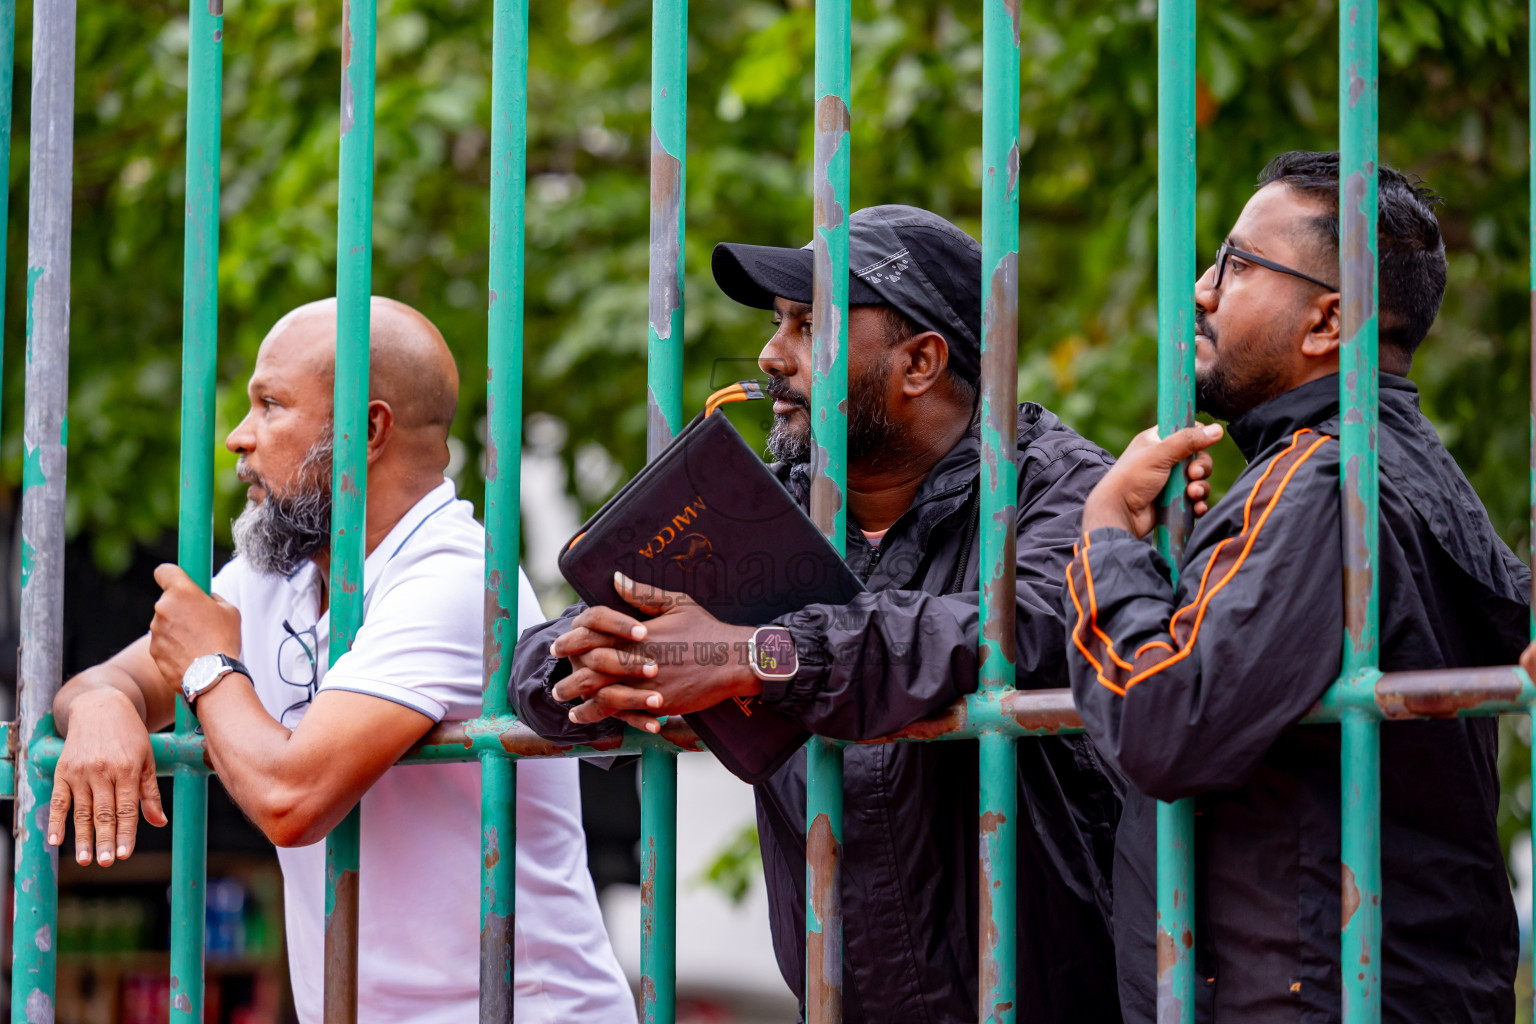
(205, 672)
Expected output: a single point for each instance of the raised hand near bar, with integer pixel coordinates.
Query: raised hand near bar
(1127, 496)
(189, 623)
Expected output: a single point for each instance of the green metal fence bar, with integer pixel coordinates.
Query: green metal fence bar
(669, 179)
(1175, 410)
(349, 476)
(658, 885)
(7, 69)
(194, 532)
(664, 405)
(503, 475)
(998, 798)
(829, 463)
(1530, 71)
(1361, 764)
(42, 500)
(1398, 696)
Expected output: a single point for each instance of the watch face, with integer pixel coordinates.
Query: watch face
(776, 655)
(201, 672)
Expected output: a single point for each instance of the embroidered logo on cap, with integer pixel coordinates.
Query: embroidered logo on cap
(889, 269)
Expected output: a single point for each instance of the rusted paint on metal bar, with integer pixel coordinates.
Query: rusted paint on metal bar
(666, 278)
(340, 956)
(40, 659)
(999, 377)
(1175, 922)
(1451, 693)
(658, 897)
(824, 946)
(829, 361)
(1351, 896)
(996, 954)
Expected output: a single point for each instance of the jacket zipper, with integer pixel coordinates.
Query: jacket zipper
(874, 560)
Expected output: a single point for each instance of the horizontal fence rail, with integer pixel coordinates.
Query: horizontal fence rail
(998, 716)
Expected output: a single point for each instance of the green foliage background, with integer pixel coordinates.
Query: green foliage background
(1454, 102)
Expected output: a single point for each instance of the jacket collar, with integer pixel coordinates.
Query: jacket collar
(941, 494)
(1312, 403)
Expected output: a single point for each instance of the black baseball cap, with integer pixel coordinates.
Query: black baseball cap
(899, 256)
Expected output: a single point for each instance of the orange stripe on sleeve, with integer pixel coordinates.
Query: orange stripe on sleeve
(1098, 648)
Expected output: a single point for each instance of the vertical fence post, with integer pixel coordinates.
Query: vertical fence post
(1530, 98)
(349, 473)
(664, 405)
(829, 458)
(42, 500)
(1361, 735)
(1175, 410)
(503, 473)
(194, 533)
(999, 799)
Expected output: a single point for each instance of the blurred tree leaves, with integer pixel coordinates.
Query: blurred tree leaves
(1454, 109)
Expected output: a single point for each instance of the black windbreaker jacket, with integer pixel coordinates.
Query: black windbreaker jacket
(1197, 693)
(898, 654)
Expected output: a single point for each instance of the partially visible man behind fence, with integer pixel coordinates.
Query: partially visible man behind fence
(1197, 693)
(902, 651)
(298, 746)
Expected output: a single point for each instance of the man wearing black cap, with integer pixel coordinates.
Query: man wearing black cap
(895, 655)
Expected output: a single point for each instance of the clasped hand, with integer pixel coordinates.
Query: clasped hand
(635, 671)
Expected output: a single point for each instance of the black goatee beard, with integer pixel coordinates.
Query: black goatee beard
(874, 438)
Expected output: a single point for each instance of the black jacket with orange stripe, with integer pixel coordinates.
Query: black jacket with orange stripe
(900, 653)
(1197, 692)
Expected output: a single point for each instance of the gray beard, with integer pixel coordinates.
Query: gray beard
(277, 534)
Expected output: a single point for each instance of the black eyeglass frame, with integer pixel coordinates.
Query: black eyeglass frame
(1228, 249)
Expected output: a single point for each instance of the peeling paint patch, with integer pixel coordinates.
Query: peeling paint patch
(1170, 1004)
(1351, 896)
(32, 474)
(491, 844)
(43, 940)
(1013, 13)
(666, 282)
(181, 1002)
(1359, 254)
(658, 432)
(347, 104)
(951, 719)
(39, 1007)
(824, 946)
(33, 273)
(1358, 571)
(1445, 694)
(341, 947)
(496, 962)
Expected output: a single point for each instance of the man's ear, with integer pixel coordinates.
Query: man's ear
(1325, 325)
(927, 356)
(381, 425)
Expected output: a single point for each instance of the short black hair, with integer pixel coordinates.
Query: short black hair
(898, 329)
(1411, 279)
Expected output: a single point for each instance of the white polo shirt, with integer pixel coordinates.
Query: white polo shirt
(421, 645)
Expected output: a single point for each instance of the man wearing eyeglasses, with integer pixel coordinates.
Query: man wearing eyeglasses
(298, 744)
(1197, 692)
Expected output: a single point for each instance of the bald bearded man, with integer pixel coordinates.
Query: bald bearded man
(298, 745)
